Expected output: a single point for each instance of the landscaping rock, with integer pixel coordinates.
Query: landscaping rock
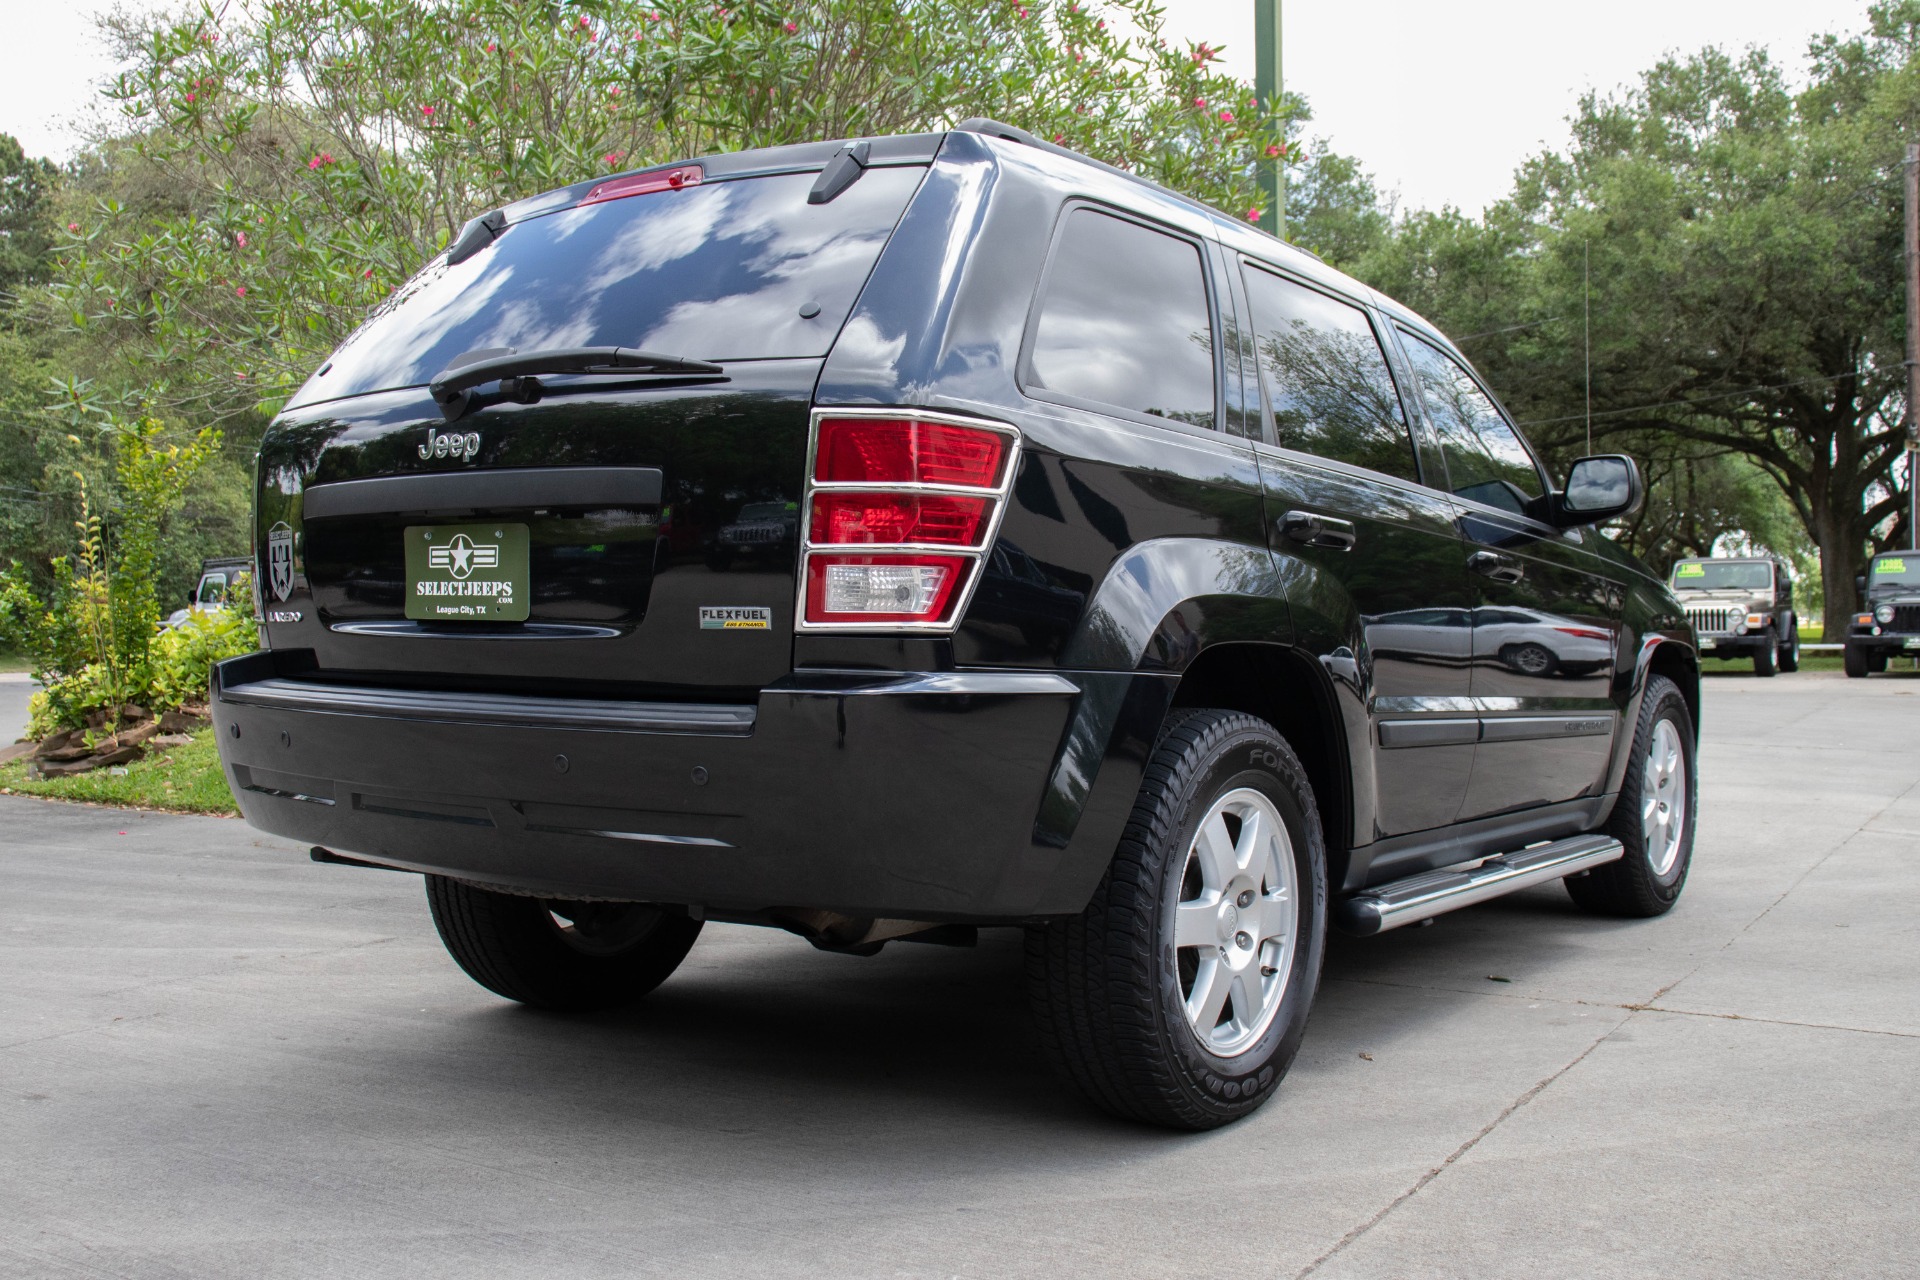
(182, 719)
(172, 740)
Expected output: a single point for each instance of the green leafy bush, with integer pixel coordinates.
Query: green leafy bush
(93, 637)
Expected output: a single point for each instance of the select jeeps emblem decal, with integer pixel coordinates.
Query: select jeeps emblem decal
(463, 555)
(735, 618)
(280, 560)
(451, 444)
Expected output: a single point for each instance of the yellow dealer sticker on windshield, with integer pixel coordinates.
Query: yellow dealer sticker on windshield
(1692, 571)
(1889, 564)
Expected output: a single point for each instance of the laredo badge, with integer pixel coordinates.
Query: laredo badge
(735, 618)
(280, 560)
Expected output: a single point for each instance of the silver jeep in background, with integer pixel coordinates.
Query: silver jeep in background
(1741, 606)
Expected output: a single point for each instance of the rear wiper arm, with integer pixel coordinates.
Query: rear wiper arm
(452, 388)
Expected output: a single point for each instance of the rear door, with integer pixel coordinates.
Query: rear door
(1546, 620)
(1378, 580)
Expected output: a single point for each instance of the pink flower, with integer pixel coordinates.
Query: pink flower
(241, 292)
(241, 376)
(584, 22)
(426, 111)
(490, 46)
(1253, 215)
(613, 90)
(1059, 137)
(74, 227)
(1023, 13)
(240, 239)
(189, 97)
(368, 273)
(793, 28)
(1274, 152)
(1226, 117)
(1200, 103)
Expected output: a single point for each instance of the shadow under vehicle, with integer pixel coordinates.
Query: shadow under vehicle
(1742, 606)
(1099, 616)
(1890, 623)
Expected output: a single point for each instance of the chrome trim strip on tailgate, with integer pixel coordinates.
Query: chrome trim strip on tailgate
(494, 488)
(495, 708)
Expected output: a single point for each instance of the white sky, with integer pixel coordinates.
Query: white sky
(1440, 99)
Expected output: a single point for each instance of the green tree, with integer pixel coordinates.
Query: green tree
(306, 156)
(1743, 246)
(27, 187)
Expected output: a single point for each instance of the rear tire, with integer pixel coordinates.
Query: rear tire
(1854, 660)
(1763, 657)
(555, 954)
(1180, 995)
(1649, 876)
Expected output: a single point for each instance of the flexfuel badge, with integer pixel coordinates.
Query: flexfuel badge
(735, 618)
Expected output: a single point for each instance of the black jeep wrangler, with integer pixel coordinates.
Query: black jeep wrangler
(1154, 588)
(1891, 623)
(1742, 607)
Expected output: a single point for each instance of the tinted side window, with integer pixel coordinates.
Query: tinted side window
(1485, 459)
(1125, 321)
(1327, 378)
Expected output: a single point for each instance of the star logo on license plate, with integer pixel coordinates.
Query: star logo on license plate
(463, 555)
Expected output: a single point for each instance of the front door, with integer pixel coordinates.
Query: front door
(1546, 616)
(1374, 566)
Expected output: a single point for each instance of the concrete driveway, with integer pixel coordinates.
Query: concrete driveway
(15, 688)
(220, 1060)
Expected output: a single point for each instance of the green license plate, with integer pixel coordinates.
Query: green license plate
(467, 572)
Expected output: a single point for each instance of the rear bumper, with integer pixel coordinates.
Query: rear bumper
(950, 796)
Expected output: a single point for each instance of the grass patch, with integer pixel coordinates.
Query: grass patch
(12, 661)
(175, 780)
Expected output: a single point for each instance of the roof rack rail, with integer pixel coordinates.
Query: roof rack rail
(1014, 133)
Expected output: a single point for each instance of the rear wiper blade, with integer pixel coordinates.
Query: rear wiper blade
(452, 388)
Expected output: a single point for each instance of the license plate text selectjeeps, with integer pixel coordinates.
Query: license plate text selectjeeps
(467, 573)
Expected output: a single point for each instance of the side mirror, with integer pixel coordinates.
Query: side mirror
(1860, 584)
(1599, 488)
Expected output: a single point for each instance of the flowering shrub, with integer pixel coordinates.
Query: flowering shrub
(319, 151)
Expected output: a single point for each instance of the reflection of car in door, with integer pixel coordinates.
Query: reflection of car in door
(1548, 601)
(1537, 644)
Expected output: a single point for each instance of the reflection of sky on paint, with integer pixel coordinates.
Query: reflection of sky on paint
(1125, 321)
(714, 272)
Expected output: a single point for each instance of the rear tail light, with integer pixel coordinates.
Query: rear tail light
(907, 451)
(904, 518)
(901, 506)
(866, 589)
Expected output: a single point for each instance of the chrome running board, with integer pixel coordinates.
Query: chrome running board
(1433, 893)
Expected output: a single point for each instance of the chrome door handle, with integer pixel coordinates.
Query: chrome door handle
(1319, 531)
(1492, 564)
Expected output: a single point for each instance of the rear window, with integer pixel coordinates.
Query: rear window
(720, 271)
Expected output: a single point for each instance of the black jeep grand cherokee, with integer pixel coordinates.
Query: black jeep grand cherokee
(1149, 585)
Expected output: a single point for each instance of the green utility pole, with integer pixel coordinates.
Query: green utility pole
(1266, 84)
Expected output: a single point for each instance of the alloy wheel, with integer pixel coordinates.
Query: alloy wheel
(1236, 921)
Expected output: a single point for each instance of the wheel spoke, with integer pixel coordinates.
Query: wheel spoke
(1270, 917)
(1211, 986)
(1250, 851)
(1246, 998)
(1196, 923)
(1213, 849)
